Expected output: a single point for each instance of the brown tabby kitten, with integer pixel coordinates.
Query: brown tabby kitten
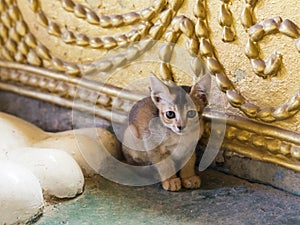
(164, 127)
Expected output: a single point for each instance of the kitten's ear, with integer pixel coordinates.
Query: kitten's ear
(159, 90)
(200, 91)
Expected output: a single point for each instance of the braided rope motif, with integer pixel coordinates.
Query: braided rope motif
(207, 51)
(226, 22)
(20, 45)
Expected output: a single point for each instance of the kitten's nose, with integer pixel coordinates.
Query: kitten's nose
(180, 127)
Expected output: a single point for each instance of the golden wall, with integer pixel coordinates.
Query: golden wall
(80, 54)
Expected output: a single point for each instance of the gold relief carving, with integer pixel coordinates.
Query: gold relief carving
(245, 137)
(162, 20)
(256, 33)
(107, 21)
(39, 55)
(144, 28)
(259, 141)
(226, 21)
(180, 25)
(71, 92)
(20, 44)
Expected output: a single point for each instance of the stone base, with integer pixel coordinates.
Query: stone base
(221, 200)
(258, 171)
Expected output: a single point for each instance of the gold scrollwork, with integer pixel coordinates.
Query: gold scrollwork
(20, 45)
(104, 21)
(159, 21)
(155, 32)
(34, 53)
(226, 21)
(107, 21)
(208, 52)
(180, 25)
(70, 92)
(282, 148)
(256, 33)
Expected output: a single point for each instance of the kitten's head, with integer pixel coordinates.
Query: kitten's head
(179, 107)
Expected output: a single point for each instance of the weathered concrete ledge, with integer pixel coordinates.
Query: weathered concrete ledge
(261, 172)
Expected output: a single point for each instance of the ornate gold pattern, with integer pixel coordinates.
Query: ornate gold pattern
(107, 21)
(267, 143)
(226, 21)
(155, 32)
(91, 17)
(30, 67)
(269, 114)
(39, 54)
(180, 25)
(257, 33)
(21, 45)
(93, 97)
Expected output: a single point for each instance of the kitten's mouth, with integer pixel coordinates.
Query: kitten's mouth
(180, 132)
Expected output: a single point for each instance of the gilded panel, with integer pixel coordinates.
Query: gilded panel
(82, 54)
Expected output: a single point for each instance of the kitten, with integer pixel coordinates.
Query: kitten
(163, 130)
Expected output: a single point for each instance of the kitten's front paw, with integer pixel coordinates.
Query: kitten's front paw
(172, 184)
(193, 182)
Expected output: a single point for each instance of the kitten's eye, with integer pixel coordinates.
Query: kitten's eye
(191, 114)
(170, 114)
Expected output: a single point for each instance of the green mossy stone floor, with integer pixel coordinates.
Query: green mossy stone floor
(223, 199)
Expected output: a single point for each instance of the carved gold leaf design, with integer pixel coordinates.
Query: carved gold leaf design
(226, 21)
(161, 11)
(259, 141)
(107, 21)
(70, 92)
(180, 25)
(159, 21)
(252, 139)
(105, 42)
(21, 45)
(256, 33)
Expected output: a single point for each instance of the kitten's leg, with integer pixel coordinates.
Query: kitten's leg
(166, 168)
(172, 183)
(189, 179)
